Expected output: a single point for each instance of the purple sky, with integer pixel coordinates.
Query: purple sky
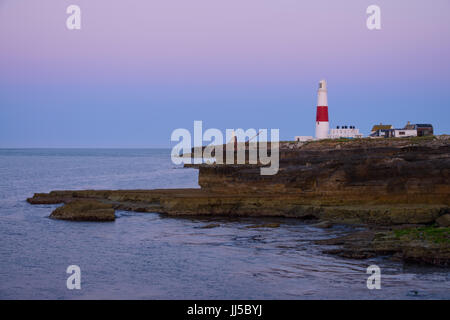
(139, 69)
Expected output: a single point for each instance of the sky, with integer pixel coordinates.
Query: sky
(139, 69)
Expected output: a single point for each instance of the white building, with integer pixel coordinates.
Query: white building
(344, 132)
(400, 133)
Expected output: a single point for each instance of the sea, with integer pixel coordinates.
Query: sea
(155, 256)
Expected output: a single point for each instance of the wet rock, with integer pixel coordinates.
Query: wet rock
(210, 226)
(428, 245)
(323, 225)
(265, 225)
(84, 210)
(45, 198)
(443, 221)
(413, 293)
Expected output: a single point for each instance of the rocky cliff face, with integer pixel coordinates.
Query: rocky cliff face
(379, 171)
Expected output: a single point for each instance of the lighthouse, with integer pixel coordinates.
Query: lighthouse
(322, 124)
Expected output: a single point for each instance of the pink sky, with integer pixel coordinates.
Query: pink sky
(221, 41)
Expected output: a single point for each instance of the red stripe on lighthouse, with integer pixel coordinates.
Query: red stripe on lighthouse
(322, 114)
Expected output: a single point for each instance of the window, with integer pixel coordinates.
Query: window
(401, 133)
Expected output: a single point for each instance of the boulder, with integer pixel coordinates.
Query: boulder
(323, 224)
(265, 225)
(210, 226)
(84, 210)
(443, 221)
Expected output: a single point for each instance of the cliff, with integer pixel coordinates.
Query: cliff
(378, 181)
(349, 171)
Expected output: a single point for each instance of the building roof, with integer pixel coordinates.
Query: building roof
(410, 126)
(422, 125)
(381, 127)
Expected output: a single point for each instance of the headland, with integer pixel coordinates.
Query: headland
(398, 188)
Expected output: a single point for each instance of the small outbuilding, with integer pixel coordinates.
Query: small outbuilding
(380, 130)
(424, 129)
(421, 128)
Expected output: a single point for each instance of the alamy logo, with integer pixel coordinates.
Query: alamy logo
(74, 280)
(374, 20)
(73, 22)
(374, 280)
(234, 151)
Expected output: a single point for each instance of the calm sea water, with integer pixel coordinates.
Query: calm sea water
(151, 256)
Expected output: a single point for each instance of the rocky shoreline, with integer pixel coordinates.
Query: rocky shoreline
(422, 244)
(385, 184)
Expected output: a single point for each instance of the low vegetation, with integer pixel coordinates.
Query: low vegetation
(430, 233)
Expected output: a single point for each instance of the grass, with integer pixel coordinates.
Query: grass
(414, 139)
(431, 233)
(340, 140)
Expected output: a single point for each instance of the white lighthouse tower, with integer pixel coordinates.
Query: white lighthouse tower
(322, 124)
